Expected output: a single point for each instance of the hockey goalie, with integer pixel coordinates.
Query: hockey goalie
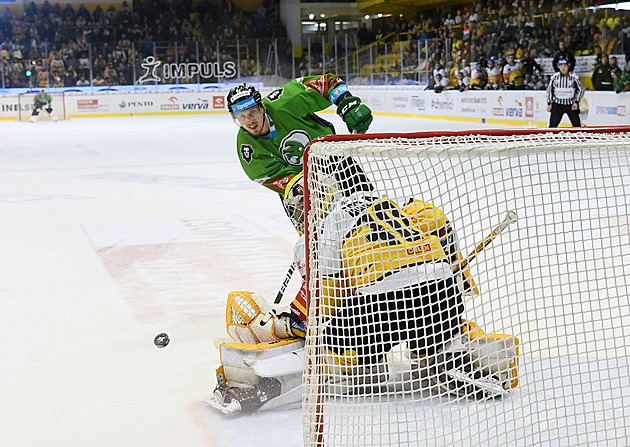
(388, 281)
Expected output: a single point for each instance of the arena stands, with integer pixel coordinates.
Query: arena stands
(64, 46)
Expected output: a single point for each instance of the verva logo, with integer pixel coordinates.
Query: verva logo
(529, 106)
(514, 111)
(218, 102)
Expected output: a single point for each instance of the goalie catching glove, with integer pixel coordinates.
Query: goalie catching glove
(356, 115)
(249, 319)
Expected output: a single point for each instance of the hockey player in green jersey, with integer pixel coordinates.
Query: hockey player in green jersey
(621, 81)
(41, 100)
(275, 130)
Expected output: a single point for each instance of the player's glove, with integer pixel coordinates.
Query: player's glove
(356, 115)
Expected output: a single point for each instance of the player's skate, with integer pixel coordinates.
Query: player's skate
(232, 399)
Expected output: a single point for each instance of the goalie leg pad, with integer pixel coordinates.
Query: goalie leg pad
(240, 388)
(236, 358)
(497, 354)
(478, 361)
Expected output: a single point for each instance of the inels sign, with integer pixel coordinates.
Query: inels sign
(188, 70)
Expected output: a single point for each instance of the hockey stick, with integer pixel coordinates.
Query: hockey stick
(284, 285)
(509, 218)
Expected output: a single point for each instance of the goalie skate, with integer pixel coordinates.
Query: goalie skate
(233, 399)
(220, 401)
(474, 384)
(460, 378)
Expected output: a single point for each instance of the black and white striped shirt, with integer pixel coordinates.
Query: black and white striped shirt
(565, 89)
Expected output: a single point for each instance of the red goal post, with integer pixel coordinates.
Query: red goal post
(26, 104)
(556, 280)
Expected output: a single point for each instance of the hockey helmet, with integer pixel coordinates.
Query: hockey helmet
(243, 97)
(293, 202)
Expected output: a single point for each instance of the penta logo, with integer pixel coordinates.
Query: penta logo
(293, 145)
(132, 104)
(139, 103)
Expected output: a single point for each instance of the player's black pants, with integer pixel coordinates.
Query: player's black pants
(425, 316)
(558, 111)
(39, 106)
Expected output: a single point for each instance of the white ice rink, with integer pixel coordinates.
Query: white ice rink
(111, 231)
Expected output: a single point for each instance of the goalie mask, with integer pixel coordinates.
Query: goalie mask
(326, 192)
(293, 202)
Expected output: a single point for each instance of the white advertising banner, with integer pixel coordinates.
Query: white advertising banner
(517, 107)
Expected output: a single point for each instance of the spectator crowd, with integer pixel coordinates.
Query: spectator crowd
(56, 46)
(492, 44)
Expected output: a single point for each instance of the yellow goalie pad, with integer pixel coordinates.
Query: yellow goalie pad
(234, 357)
(497, 354)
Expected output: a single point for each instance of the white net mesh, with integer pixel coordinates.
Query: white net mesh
(538, 357)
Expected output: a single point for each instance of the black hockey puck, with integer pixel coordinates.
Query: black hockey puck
(161, 340)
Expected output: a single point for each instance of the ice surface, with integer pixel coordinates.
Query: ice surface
(111, 231)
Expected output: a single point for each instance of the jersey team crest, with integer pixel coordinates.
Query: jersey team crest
(293, 146)
(247, 152)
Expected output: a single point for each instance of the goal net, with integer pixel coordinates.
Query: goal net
(468, 288)
(26, 105)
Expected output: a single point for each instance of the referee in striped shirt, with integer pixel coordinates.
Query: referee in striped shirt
(564, 93)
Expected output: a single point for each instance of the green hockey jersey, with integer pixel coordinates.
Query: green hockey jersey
(42, 98)
(273, 159)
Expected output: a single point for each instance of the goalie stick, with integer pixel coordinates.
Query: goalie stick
(284, 285)
(510, 217)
